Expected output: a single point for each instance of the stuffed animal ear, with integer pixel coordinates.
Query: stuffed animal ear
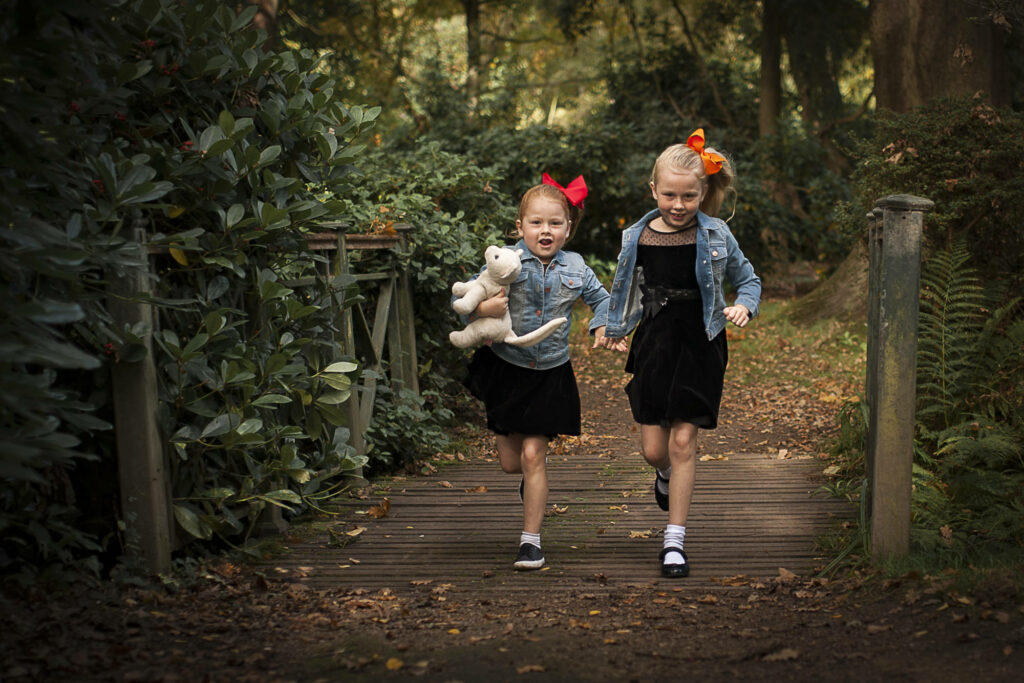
(519, 253)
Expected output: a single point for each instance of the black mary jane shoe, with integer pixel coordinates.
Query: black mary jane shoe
(674, 571)
(659, 497)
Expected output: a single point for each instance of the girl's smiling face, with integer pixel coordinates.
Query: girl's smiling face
(544, 227)
(678, 195)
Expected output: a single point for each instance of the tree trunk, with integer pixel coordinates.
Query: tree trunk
(473, 52)
(926, 49)
(771, 69)
(266, 19)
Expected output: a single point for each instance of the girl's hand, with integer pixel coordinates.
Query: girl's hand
(616, 344)
(495, 307)
(738, 315)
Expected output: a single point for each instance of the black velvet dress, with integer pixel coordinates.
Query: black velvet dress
(677, 372)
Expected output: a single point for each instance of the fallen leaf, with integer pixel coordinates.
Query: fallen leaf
(444, 484)
(383, 509)
(529, 668)
(355, 532)
(646, 533)
(785, 575)
(453, 631)
(784, 655)
(478, 489)
(706, 458)
(394, 664)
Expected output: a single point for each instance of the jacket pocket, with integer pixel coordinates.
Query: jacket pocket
(719, 258)
(570, 286)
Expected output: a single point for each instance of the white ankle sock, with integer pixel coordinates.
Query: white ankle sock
(674, 537)
(532, 539)
(662, 480)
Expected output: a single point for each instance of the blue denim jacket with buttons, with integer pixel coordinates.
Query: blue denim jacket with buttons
(540, 294)
(718, 257)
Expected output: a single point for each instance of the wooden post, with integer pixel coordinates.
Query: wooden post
(356, 430)
(405, 319)
(140, 454)
(894, 370)
(874, 220)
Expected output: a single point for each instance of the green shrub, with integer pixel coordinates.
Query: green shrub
(173, 118)
(455, 209)
(966, 157)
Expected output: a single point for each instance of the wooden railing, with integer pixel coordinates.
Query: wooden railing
(365, 338)
(144, 484)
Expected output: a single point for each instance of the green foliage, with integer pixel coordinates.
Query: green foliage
(455, 209)
(966, 157)
(173, 119)
(952, 309)
(970, 421)
(406, 429)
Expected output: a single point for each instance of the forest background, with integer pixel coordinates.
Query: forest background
(228, 131)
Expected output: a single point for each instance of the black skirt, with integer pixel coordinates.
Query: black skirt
(677, 372)
(524, 401)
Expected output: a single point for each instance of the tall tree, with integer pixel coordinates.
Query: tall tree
(770, 104)
(925, 49)
(474, 54)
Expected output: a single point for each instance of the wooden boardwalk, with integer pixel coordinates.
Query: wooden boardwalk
(458, 530)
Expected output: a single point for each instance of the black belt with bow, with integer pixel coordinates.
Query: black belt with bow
(656, 298)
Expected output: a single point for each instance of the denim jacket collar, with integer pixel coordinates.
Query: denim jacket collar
(528, 255)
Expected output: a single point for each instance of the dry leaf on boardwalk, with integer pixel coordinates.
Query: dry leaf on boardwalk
(784, 655)
(478, 489)
(645, 533)
(382, 509)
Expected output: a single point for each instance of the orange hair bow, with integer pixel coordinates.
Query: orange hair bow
(712, 161)
(576, 192)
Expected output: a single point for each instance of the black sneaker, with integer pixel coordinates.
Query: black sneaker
(530, 557)
(659, 497)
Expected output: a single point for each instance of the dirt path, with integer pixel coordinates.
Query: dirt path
(575, 622)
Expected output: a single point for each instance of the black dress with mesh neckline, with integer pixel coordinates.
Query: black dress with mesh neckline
(677, 372)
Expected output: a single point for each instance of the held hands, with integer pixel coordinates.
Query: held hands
(615, 344)
(738, 314)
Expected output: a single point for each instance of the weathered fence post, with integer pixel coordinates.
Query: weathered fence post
(892, 367)
(140, 454)
(403, 343)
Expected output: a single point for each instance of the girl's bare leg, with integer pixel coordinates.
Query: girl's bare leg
(682, 453)
(526, 454)
(675, 447)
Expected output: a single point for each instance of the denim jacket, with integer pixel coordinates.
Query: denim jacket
(540, 294)
(718, 256)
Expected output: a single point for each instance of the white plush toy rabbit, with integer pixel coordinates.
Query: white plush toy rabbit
(503, 266)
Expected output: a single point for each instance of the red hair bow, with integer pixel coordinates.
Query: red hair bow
(712, 161)
(576, 192)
